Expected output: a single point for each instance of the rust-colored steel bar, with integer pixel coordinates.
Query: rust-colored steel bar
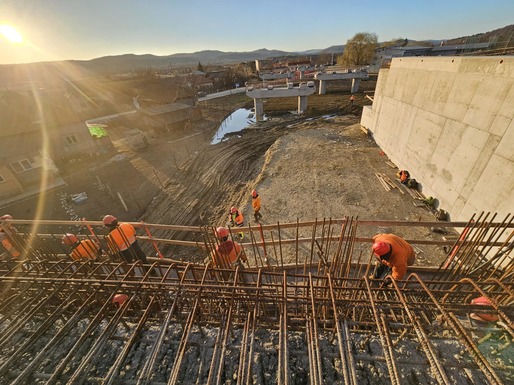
(385, 337)
(185, 336)
(435, 364)
(313, 320)
(479, 358)
(283, 352)
(344, 353)
(144, 374)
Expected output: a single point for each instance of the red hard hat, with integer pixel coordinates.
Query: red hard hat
(233, 210)
(109, 220)
(69, 239)
(119, 299)
(381, 248)
(6, 216)
(254, 193)
(222, 232)
(484, 317)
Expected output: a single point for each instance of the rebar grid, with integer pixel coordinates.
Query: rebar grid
(182, 304)
(318, 320)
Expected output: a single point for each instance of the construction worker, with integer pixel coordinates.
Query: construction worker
(228, 254)
(486, 316)
(352, 99)
(82, 250)
(122, 239)
(404, 176)
(236, 218)
(11, 251)
(256, 204)
(394, 254)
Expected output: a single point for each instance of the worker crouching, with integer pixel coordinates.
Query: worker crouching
(228, 254)
(5, 239)
(236, 218)
(122, 239)
(394, 254)
(82, 250)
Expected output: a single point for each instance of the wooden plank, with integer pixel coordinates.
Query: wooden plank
(391, 164)
(400, 189)
(384, 184)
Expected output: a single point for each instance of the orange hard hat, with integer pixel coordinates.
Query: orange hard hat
(69, 239)
(109, 220)
(381, 248)
(119, 299)
(222, 232)
(484, 317)
(233, 209)
(254, 193)
(6, 216)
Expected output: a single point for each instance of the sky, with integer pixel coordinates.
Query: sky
(86, 29)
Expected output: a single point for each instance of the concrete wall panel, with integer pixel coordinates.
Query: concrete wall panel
(449, 121)
(505, 113)
(483, 107)
(506, 147)
(437, 99)
(460, 96)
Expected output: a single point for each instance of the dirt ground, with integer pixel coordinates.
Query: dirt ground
(316, 165)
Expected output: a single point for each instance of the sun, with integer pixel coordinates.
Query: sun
(11, 34)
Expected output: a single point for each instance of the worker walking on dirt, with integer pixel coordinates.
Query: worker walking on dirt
(122, 239)
(236, 218)
(394, 254)
(256, 204)
(6, 233)
(228, 254)
(82, 250)
(352, 99)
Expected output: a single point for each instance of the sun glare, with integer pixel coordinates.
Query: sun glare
(11, 34)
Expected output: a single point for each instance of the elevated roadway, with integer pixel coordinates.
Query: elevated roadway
(258, 93)
(355, 77)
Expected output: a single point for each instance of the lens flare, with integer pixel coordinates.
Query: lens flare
(11, 34)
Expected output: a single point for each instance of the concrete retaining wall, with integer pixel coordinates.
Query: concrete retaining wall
(449, 121)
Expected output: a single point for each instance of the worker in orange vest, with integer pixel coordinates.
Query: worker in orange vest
(256, 204)
(7, 243)
(122, 239)
(236, 218)
(82, 250)
(394, 254)
(228, 254)
(404, 176)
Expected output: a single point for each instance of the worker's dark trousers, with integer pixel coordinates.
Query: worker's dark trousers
(134, 253)
(381, 271)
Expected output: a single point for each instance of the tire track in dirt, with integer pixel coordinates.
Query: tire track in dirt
(218, 177)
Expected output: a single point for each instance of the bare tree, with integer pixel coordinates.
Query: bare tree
(359, 49)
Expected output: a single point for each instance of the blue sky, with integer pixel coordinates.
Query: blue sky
(85, 29)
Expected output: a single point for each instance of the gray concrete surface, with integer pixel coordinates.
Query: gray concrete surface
(449, 121)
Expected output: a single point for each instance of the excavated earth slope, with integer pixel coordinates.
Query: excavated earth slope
(304, 169)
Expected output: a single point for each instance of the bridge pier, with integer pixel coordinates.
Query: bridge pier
(322, 87)
(259, 109)
(302, 104)
(355, 85)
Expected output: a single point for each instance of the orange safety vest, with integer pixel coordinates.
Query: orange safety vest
(6, 243)
(227, 254)
(85, 249)
(402, 254)
(237, 218)
(123, 236)
(256, 203)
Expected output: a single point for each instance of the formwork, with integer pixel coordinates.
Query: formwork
(320, 320)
